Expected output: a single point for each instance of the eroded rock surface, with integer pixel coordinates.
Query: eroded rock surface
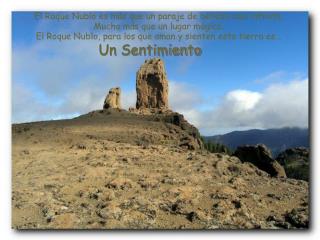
(152, 85)
(261, 157)
(112, 100)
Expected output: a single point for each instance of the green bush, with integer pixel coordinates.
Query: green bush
(297, 172)
(215, 147)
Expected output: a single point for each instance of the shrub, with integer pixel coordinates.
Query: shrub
(215, 147)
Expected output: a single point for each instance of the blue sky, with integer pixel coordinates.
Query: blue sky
(228, 88)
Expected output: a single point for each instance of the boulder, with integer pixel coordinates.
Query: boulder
(152, 85)
(261, 157)
(293, 154)
(112, 100)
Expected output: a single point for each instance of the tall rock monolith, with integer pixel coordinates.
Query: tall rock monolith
(152, 85)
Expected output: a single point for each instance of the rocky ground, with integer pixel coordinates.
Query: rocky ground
(108, 170)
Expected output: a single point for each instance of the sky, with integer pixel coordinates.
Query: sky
(233, 85)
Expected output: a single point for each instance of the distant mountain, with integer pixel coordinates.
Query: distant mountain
(277, 140)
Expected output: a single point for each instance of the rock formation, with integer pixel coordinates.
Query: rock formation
(152, 85)
(261, 157)
(191, 139)
(293, 153)
(112, 100)
(295, 162)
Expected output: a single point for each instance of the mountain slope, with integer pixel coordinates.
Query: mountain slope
(107, 170)
(277, 140)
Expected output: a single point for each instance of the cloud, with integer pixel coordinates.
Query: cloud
(242, 100)
(58, 79)
(284, 105)
(279, 76)
(274, 76)
(66, 79)
(278, 105)
(57, 85)
(128, 99)
(54, 80)
(27, 107)
(183, 96)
